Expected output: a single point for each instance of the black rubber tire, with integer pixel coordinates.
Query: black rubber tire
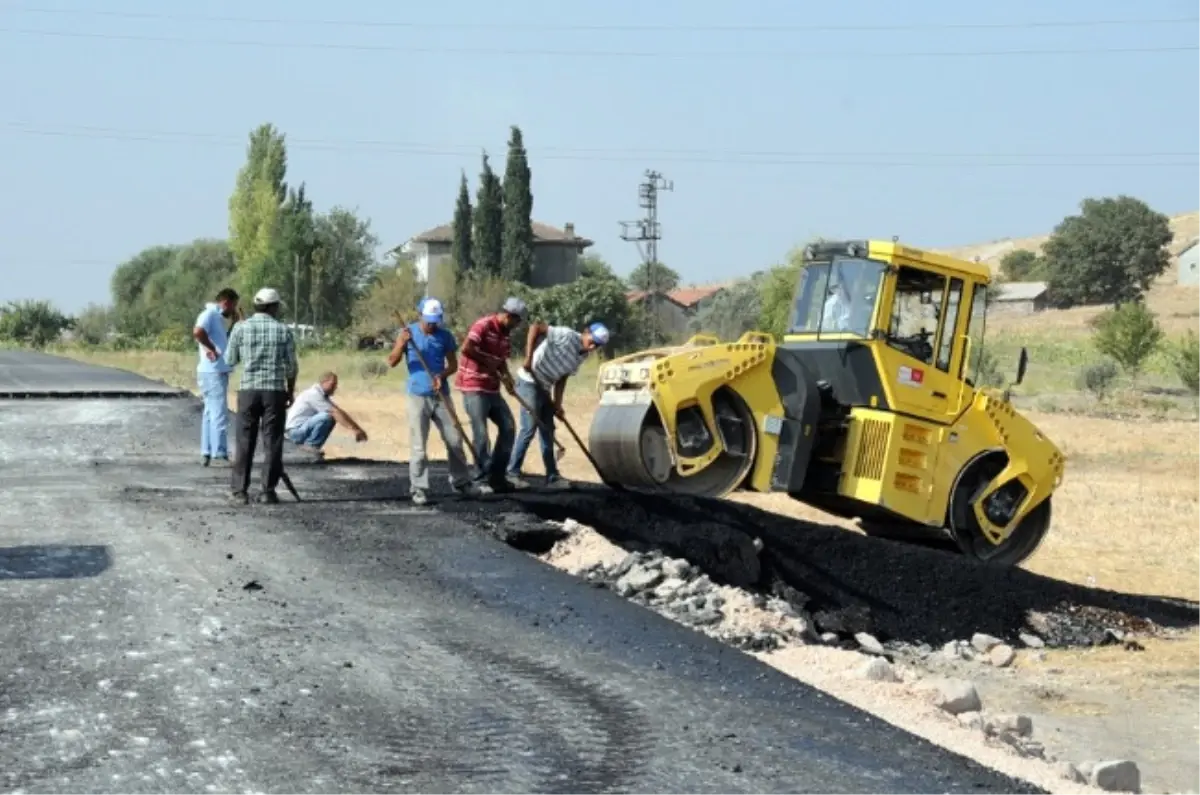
(1019, 546)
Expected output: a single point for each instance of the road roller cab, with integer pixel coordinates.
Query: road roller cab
(867, 409)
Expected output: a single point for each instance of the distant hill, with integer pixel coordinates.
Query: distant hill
(1185, 226)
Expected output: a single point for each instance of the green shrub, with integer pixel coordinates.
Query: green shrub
(1185, 356)
(175, 340)
(1099, 378)
(1129, 335)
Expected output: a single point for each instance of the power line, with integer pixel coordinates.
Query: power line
(699, 156)
(573, 53)
(601, 27)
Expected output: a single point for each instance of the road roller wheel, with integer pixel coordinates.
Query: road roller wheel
(1023, 541)
(630, 447)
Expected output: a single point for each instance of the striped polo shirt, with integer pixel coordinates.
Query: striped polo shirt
(559, 356)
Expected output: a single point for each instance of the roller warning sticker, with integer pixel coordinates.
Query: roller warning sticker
(911, 376)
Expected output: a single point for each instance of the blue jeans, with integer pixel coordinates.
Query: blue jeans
(314, 430)
(481, 407)
(214, 422)
(541, 403)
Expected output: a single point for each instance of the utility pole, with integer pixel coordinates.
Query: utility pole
(295, 293)
(647, 230)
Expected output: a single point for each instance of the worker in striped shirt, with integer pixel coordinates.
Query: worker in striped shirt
(541, 383)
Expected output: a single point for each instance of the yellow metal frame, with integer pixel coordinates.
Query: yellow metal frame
(906, 458)
(688, 375)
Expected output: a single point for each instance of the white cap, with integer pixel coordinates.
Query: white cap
(431, 310)
(266, 296)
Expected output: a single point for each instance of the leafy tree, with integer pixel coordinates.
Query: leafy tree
(517, 257)
(1022, 266)
(391, 291)
(461, 246)
(343, 266)
(1129, 335)
(129, 281)
(653, 277)
(174, 296)
(32, 323)
(289, 269)
(778, 290)
(1185, 356)
(733, 311)
(94, 324)
(584, 301)
(488, 245)
(1110, 253)
(255, 208)
(593, 266)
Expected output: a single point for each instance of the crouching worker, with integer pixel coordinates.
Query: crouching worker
(541, 384)
(313, 416)
(427, 344)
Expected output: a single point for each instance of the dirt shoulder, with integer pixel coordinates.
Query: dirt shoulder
(1081, 704)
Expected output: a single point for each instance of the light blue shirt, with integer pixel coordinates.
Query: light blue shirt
(214, 324)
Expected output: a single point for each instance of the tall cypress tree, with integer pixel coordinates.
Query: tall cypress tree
(461, 245)
(489, 222)
(518, 212)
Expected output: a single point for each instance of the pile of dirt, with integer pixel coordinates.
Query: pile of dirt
(846, 582)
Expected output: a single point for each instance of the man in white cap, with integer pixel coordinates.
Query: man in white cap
(267, 349)
(484, 370)
(422, 344)
(541, 384)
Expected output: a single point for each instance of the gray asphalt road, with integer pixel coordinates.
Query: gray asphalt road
(157, 639)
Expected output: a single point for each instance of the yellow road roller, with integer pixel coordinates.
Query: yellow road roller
(870, 409)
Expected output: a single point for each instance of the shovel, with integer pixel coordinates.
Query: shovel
(287, 482)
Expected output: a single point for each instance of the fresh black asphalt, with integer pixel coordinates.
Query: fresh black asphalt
(157, 639)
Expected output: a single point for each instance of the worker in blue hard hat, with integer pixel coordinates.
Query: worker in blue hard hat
(552, 355)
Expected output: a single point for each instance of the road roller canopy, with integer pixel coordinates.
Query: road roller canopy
(866, 289)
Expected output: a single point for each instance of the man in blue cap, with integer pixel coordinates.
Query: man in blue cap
(541, 383)
(427, 344)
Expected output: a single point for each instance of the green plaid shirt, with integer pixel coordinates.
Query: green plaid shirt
(267, 349)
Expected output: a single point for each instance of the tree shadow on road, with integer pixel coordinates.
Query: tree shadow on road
(54, 561)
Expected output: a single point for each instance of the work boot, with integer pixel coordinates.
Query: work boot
(419, 498)
(239, 498)
(268, 498)
(204, 461)
(518, 482)
(465, 489)
(557, 484)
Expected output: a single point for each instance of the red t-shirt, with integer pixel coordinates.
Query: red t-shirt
(487, 337)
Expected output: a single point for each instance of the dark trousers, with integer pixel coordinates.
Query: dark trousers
(257, 408)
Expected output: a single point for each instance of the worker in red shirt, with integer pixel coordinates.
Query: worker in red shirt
(482, 371)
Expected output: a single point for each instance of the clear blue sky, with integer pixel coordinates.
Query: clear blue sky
(114, 139)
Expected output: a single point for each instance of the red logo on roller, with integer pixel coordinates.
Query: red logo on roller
(918, 375)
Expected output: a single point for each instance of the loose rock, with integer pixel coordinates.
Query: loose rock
(957, 696)
(878, 669)
(1031, 640)
(1018, 725)
(972, 720)
(829, 637)
(641, 577)
(1070, 773)
(869, 643)
(1117, 776)
(668, 587)
(984, 643)
(1002, 656)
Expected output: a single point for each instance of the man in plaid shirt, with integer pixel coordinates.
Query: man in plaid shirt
(267, 349)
